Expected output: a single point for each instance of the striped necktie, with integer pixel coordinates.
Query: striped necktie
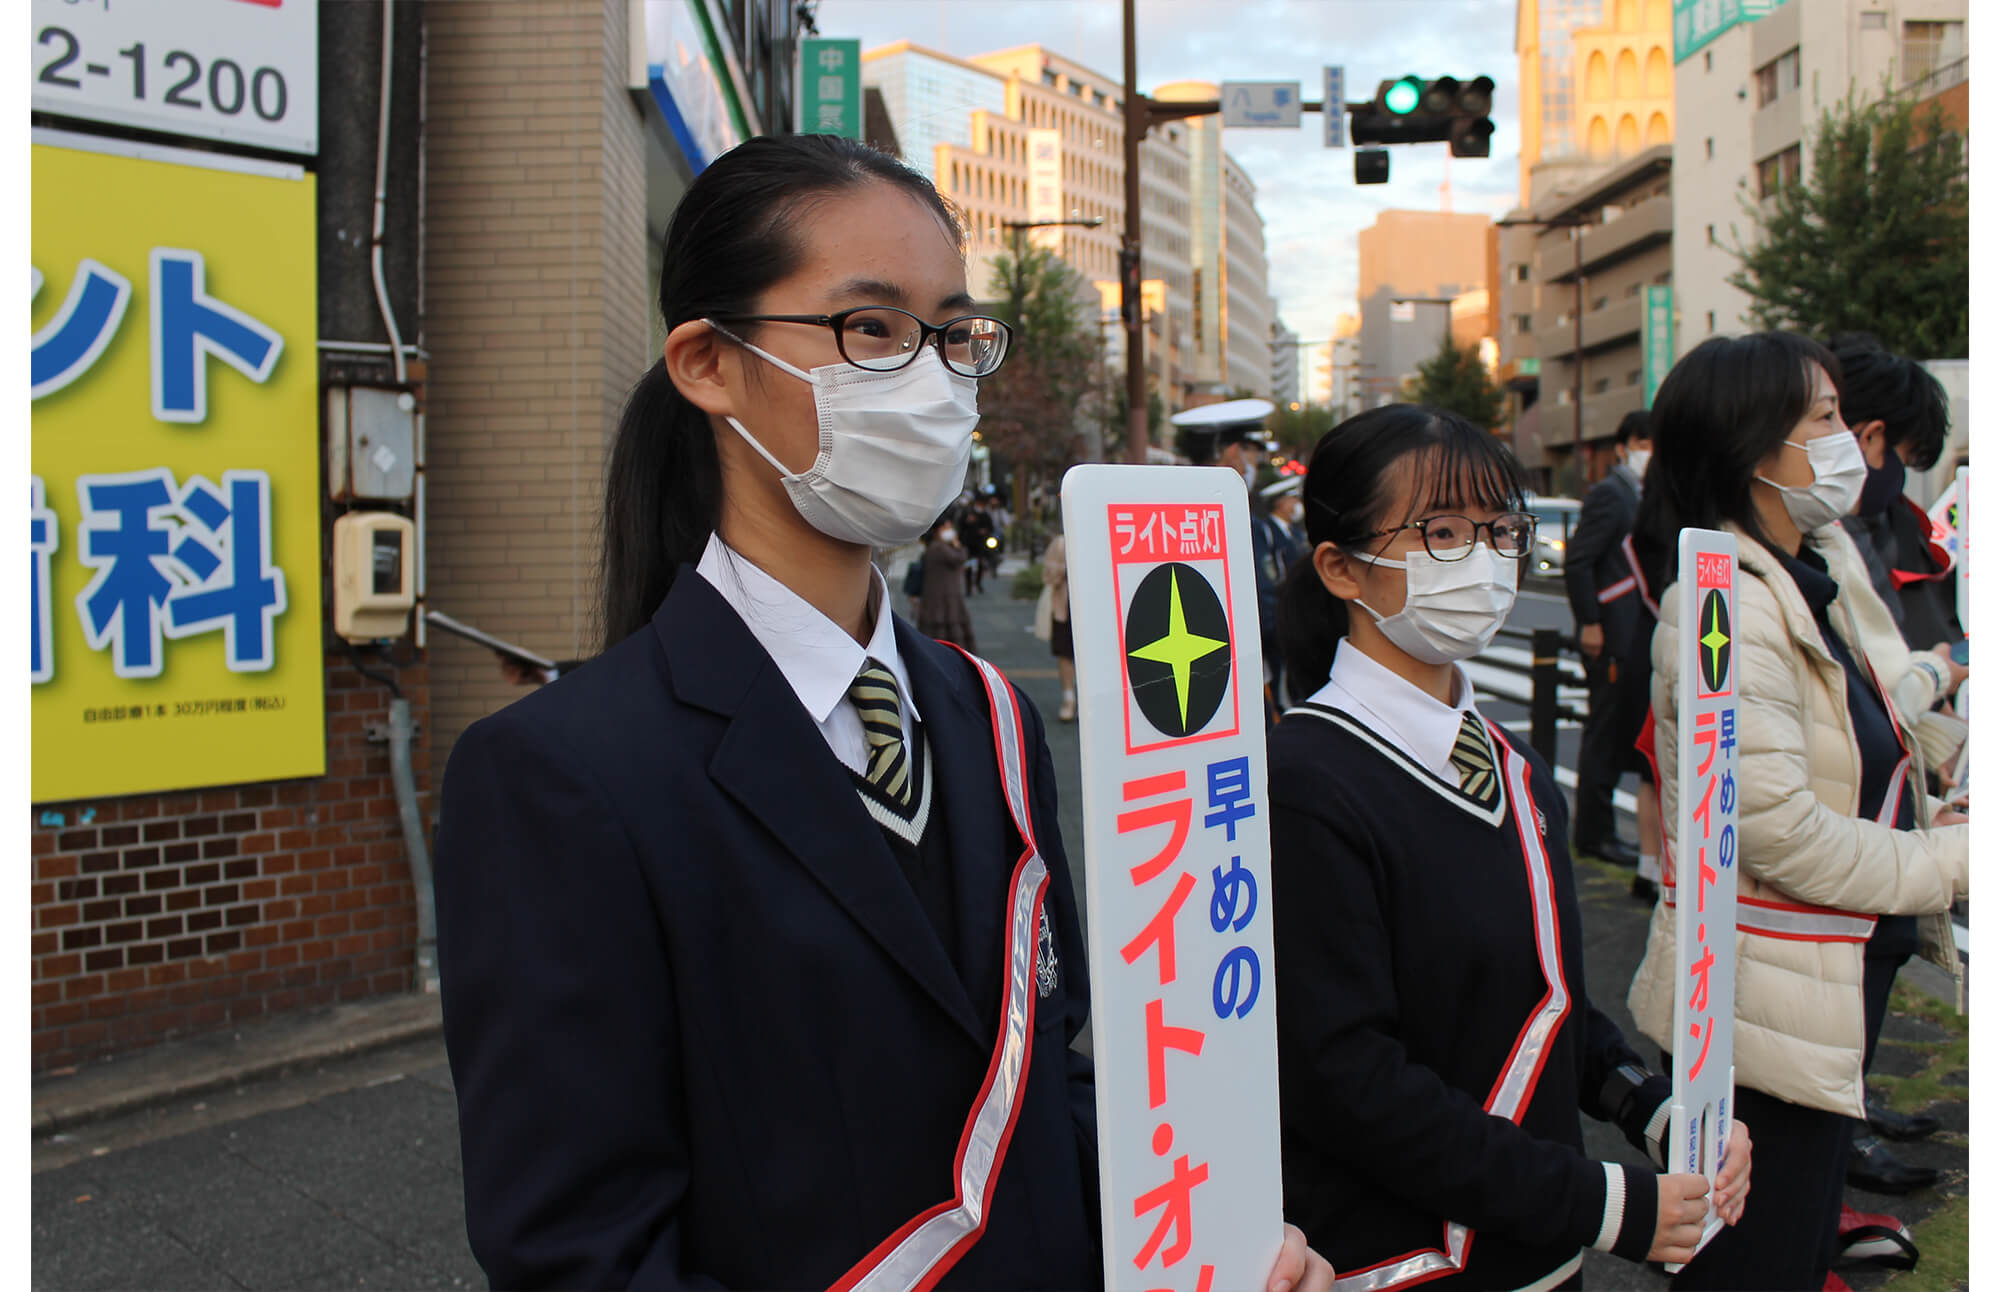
(1472, 758)
(881, 708)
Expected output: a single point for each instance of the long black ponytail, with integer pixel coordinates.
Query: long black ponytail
(1353, 480)
(734, 235)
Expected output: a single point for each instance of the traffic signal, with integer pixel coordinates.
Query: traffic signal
(1371, 165)
(1472, 124)
(1411, 110)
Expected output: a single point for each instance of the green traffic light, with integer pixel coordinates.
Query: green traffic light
(1403, 96)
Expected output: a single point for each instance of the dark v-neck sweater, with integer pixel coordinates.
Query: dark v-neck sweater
(1408, 969)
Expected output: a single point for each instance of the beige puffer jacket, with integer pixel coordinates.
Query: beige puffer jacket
(1800, 1026)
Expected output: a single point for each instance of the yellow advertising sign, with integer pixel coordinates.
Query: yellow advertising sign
(175, 623)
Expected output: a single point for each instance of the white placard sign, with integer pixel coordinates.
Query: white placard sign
(1267, 104)
(1963, 484)
(1177, 871)
(239, 71)
(1705, 846)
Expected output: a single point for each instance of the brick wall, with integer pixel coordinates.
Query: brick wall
(159, 915)
(536, 320)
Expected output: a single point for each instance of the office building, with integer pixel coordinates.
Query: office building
(1752, 89)
(1414, 264)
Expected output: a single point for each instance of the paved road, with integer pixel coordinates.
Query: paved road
(347, 1175)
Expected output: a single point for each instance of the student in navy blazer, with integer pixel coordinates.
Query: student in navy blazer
(739, 987)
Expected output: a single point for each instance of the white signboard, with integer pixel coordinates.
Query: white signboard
(1177, 870)
(1045, 201)
(1273, 104)
(1705, 845)
(1963, 484)
(239, 71)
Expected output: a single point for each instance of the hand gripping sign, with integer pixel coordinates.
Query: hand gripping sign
(1177, 867)
(1705, 843)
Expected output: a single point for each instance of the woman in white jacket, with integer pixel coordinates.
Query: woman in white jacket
(1834, 827)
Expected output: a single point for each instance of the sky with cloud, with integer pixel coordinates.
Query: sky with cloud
(1306, 193)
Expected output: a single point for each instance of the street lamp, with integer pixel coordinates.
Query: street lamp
(1572, 223)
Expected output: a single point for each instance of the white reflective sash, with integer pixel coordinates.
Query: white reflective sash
(1516, 1084)
(923, 1251)
(1792, 921)
(1639, 577)
(1608, 595)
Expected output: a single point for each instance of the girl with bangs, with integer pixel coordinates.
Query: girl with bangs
(1435, 1041)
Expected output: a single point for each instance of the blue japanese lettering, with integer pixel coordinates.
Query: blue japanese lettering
(1725, 848)
(189, 324)
(64, 350)
(42, 541)
(235, 588)
(1229, 795)
(125, 536)
(1235, 887)
(1230, 995)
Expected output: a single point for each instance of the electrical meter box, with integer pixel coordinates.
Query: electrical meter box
(371, 443)
(374, 575)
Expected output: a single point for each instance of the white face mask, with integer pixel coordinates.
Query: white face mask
(893, 447)
(1452, 609)
(1637, 459)
(1839, 470)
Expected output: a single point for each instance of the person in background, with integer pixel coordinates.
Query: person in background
(731, 920)
(1055, 577)
(1833, 829)
(1231, 435)
(943, 615)
(974, 527)
(1436, 1042)
(1604, 600)
(1899, 415)
(1288, 511)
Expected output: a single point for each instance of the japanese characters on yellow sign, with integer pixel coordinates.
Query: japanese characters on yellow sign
(175, 590)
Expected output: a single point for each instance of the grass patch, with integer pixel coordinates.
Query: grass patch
(1945, 1240)
(1028, 582)
(1951, 1057)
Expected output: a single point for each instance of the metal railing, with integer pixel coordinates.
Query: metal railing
(1936, 81)
(1545, 673)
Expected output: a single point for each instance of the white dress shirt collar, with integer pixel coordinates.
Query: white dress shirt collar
(1405, 715)
(815, 654)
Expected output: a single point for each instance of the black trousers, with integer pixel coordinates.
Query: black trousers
(1798, 1173)
(1599, 760)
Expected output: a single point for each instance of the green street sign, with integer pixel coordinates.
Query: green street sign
(1658, 338)
(1697, 22)
(830, 87)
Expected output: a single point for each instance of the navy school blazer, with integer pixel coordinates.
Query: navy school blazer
(701, 1032)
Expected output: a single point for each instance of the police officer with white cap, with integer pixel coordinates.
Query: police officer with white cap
(1231, 434)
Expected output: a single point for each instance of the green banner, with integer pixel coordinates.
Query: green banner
(830, 87)
(1659, 338)
(1697, 22)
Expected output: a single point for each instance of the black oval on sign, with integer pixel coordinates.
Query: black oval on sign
(1177, 652)
(1714, 645)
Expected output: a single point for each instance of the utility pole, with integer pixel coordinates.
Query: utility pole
(1576, 225)
(1141, 115)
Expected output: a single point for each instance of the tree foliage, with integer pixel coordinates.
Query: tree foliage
(1875, 241)
(1457, 381)
(1033, 409)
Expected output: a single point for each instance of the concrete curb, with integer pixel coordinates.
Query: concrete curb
(199, 1064)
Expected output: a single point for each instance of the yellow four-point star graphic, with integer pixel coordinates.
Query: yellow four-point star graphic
(1715, 639)
(1179, 648)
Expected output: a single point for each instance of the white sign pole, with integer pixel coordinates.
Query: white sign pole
(1177, 869)
(1705, 848)
(1963, 486)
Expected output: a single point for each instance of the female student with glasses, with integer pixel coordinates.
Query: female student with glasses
(760, 953)
(1435, 1041)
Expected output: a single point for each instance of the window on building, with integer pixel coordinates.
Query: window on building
(1710, 144)
(1524, 324)
(1711, 235)
(1708, 61)
(1599, 303)
(1635, 376)
(1874, 20)
(1711, 322)
(1600, 386)
(1778, 170)
(1788, 70)
(1521, 273)
(1928, 46)
(1767, 84)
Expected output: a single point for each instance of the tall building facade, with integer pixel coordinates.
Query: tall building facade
(1596, 86)
(1044, 140)
(534, 153)
(1285, 387)
(1414, 264)
(1752, 89)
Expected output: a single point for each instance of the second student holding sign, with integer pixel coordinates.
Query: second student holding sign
(1435, 1041)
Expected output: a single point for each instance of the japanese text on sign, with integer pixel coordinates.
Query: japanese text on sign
(1177, 867)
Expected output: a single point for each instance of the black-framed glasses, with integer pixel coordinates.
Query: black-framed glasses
(881, 338)
(1451, 538)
